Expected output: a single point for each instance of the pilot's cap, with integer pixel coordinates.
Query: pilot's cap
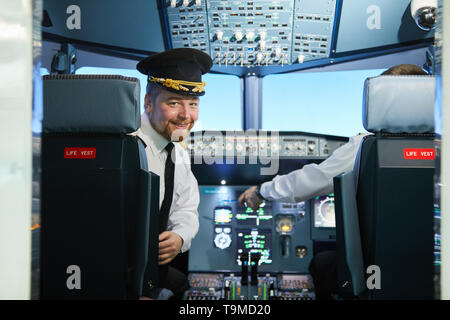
(178, 70)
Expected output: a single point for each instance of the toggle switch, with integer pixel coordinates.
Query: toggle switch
(250, 35)
(219, 35)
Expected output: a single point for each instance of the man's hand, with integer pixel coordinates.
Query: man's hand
(251, 198)
(170, 245)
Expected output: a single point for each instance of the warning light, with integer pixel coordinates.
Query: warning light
(285, 228)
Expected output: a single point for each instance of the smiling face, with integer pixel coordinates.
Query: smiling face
(172, 115)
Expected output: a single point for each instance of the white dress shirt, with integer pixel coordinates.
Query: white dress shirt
(313, 179)
(183, 215)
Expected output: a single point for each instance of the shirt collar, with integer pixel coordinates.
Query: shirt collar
(158, 141)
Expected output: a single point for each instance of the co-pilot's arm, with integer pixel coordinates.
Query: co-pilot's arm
(313, 179)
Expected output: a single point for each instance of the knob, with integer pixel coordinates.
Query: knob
(173, 3)
(198, 2)
(262, 35)
(300, 58)
(250, 36)
(259, 57)
(186, 3)
(262, 44)
(277, 51)
(238, 35)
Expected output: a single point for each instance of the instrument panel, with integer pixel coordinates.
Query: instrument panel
(253, 33)
(252, 143)
(213, 286)
(278, 234)
(241, 253)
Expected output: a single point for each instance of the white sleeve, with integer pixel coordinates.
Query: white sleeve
(313, 179)
(184, 217)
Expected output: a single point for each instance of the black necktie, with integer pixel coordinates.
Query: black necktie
(169, 175)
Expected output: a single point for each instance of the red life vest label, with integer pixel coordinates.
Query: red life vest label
(419, 154)
(79, 153)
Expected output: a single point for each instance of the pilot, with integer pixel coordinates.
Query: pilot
(171, 109)
(317, 180)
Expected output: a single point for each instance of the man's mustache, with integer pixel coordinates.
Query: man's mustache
(181, 123)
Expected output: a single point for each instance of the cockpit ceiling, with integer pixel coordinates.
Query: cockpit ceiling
(260, 37)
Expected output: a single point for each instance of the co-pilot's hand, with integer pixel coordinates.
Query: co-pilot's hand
(250, 198)
(170, 245)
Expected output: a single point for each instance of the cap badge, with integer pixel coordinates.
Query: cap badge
(178, 84)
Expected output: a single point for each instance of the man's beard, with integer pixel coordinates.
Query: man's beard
(179, 135)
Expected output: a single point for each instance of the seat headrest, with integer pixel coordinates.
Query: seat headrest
(91, 104)
(399, 104)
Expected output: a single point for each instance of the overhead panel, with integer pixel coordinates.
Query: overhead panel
(313, 29)
(188, 24)
(254, 33)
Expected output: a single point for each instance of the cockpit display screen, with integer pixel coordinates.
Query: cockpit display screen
(324, 212)
(223, 215)
(254, 241)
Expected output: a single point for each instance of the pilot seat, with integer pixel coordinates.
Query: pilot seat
(100, 203)
(384, 207)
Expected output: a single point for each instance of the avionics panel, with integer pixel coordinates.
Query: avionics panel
(254, 33)
(215, 145)
(262, 253)
(259, 33)
(279, 232)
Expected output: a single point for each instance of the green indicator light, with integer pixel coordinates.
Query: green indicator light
(234, 291)
(265, 291)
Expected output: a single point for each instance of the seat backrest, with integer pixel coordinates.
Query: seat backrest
(394, 192)
(350, 257)
(99, 207)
